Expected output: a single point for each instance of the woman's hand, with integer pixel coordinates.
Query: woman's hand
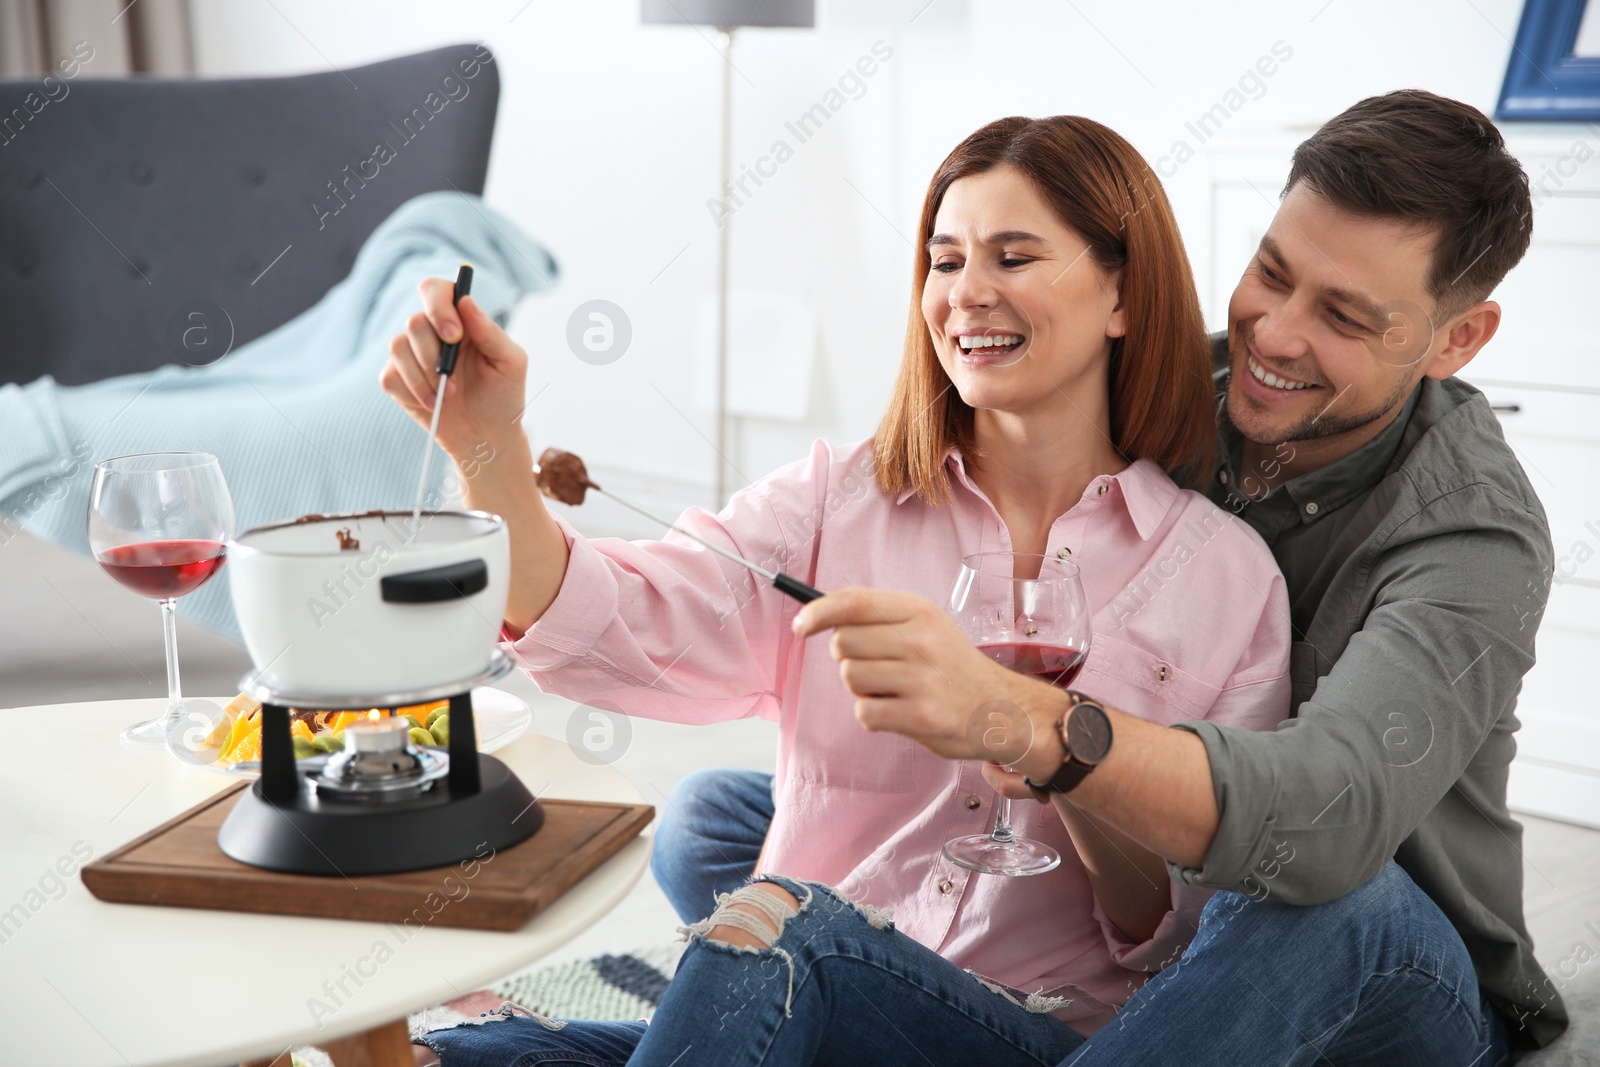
(915, 673)
(1129, 880)
(480, 427)
(484, 397)
(1006, 783)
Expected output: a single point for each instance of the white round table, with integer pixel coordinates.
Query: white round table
(91, 983)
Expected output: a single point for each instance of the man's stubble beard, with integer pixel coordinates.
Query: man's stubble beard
(1320, 425)
(1315, 427)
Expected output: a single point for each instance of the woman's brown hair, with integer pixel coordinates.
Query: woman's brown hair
(1162, 404)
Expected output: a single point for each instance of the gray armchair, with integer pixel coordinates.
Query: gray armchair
(132, 213)
(134, 210)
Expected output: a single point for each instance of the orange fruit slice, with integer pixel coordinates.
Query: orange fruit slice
(249, 747)
(241, 728)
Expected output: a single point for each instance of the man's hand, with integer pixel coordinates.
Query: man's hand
(914, 672)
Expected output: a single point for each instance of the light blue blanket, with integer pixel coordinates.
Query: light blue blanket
(295, 417)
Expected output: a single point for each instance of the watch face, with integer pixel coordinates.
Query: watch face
(1088, 733)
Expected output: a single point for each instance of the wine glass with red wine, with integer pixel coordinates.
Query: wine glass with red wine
(1029, 614)
(159, 523)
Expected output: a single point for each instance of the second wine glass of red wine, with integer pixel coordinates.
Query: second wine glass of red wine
(159, 523)
(1028, 613)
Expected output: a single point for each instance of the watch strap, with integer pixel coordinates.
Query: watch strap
(1065, 780)
(1072, 770)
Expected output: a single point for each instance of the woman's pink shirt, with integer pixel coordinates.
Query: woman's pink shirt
(1190, 622)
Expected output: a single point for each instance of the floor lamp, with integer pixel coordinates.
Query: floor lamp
(727, 16)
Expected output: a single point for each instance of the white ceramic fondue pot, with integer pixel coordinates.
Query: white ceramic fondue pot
(340, 606)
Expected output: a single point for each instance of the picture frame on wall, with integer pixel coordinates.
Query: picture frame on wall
(1554, 70)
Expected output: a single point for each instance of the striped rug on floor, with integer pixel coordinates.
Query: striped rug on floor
(611, 988)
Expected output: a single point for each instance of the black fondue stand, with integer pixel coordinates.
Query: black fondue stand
(284, 822)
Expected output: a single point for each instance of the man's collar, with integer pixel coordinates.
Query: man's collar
(1331, 487)
(1326, 489)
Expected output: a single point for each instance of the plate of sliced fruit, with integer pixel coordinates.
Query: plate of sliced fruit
(499, 716)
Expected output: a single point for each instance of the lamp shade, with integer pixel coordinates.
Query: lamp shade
(726, 14)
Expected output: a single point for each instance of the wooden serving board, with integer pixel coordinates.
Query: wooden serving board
(180, 864)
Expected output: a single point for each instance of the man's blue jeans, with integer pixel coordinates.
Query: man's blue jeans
(1377, 977)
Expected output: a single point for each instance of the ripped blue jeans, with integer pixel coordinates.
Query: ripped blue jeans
(838, 985)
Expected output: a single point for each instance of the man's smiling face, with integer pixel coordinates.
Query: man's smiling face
(1331, 326)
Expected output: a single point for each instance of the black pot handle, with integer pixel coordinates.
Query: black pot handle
(450, 582)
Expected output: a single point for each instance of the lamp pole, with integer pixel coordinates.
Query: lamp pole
(726, 16)
(720, 482)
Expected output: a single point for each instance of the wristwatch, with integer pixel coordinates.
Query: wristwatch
(1086, 734)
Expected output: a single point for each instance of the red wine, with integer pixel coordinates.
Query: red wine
(163, 569)
(1056, 664)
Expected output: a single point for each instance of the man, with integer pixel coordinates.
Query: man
(1373, 876)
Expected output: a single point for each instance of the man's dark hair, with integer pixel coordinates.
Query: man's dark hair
(1440, 164)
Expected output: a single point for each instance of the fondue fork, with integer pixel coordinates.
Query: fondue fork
(445, 367)
(783, 583)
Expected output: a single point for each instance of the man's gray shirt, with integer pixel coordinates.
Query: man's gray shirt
(1417, 569)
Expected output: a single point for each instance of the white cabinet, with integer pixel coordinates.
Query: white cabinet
(1542, 373)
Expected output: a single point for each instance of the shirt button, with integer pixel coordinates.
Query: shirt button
(1064, 553)
(1162, 673)
(1311, 508)
(946, 886)
(972, 803)
(1222, 476)
(1102, 489)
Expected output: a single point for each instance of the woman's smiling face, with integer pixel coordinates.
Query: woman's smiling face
(1020, 314)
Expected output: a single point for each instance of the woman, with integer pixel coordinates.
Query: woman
(1055, 374)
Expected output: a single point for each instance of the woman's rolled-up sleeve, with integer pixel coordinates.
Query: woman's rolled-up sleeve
(669, 629)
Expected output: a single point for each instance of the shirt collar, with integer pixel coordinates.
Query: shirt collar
(952, 459)
(1326, 489)
(1143, 488)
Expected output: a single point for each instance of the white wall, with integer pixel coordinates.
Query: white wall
(606, 152)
